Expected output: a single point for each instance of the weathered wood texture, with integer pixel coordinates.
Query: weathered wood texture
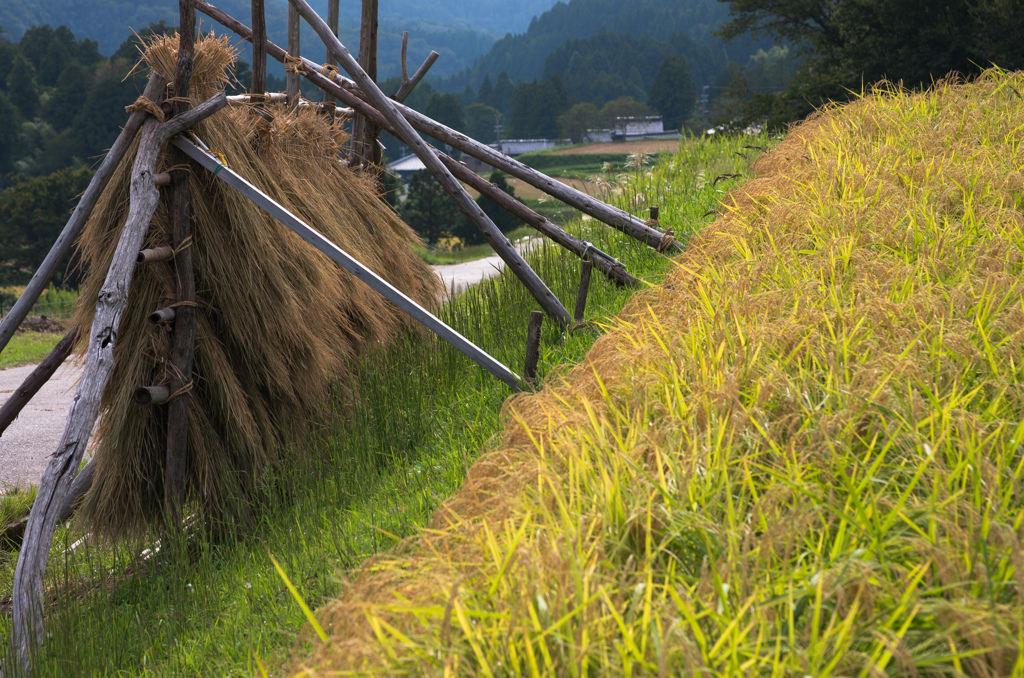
(533, 347)
(581, 296)
(409, 84)
(99, 363)
(332, 23)
(343, 259)
(494, 237)
(183, 337)
(259, 48)
(349, 93)
(370, 149)
(39, 376)
(292, 79)
(43, 275)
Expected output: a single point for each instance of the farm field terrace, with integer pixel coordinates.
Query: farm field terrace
(801, 454)
(369, 477)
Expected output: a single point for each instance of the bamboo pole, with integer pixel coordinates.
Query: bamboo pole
(183, 336)
(494, 237)
(349, 94)
(41, 278)
(292, 79)
(58, 478)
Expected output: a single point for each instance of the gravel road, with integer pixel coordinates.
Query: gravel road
(26, 446)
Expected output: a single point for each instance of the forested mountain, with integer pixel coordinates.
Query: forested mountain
(460, 30)
(523, 56)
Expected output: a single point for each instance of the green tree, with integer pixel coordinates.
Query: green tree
(673, 92)
(501, 217)
(845, 43)
(428, 209)
(33, 212)
(480, 122)
(10, 125)
(503, 92)
(536, 107)
(635, 84)
(100, 117)
(446, 109)
(56, 58)
(485, 95)
(22, 88)
(574, 123)
(34, 43)
(622, 107)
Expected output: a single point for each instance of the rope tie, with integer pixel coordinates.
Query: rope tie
(183, 245)
(667, 240)
(294, 64)
(147, 105)
(329, 70)
(190, 304)
(187, 388)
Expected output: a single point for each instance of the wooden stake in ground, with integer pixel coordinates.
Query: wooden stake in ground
(259, 49)
(292, 78)
(183, 338)
(581, 297)
(366, 133)
(532, 348)
(386, 106)
(41, 278)
(99, 363)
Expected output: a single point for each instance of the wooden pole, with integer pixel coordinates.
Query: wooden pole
(494, 237)
(409, 84)
(581, 297)
(292, 84)
(610, 267)
(347, 262)
(350, 94)
(40, 375)
(367, 133)
(332, 23)
(58, 478)
(41, 278)
(259, 49)
(183, 336)
(533, 348)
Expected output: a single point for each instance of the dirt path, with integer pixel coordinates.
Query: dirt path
(26, 446)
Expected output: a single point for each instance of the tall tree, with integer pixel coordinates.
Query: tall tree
(427, 208)
(481, 121)
(574, 123)
(10, 124)
(673, 92)
(22, 88)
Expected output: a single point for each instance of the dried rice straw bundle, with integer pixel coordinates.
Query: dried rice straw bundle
(276, 323)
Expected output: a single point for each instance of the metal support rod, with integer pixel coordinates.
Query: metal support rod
(347, 262)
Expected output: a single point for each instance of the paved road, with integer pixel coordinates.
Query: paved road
(26, 446)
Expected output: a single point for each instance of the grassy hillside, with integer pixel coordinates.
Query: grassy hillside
(799, 455)
(372, 474)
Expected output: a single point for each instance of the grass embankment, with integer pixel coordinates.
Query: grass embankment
(802, 455)
(26, 348)
(421, 416)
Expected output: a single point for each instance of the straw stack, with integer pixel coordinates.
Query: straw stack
(276, 323)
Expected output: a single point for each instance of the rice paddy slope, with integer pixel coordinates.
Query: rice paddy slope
(801, 455)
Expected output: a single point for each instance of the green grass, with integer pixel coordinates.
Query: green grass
(26, 348)
(421, 415)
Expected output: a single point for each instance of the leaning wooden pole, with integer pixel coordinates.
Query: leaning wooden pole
(39, 376)
(547, 300)
(349, 94)
(99, 363)
(332, 22)
(41, 278)
(183, 337)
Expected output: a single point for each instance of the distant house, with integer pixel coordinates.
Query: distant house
(406, 167)
(515, 147)
(648, 127)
